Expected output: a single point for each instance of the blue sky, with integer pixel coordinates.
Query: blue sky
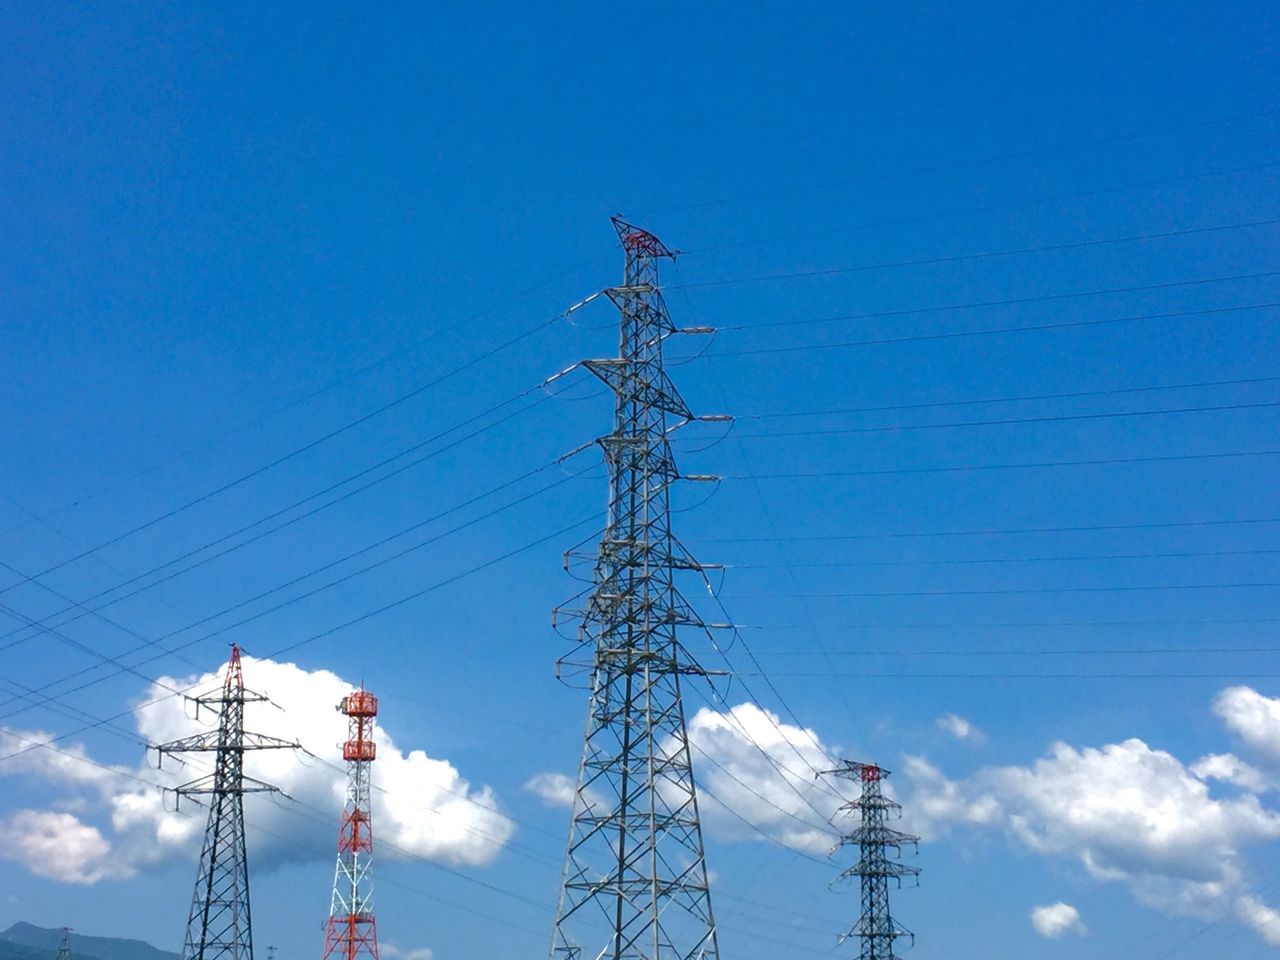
(230, 233)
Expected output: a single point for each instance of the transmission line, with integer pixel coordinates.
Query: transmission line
(989, 255)
(994, 331)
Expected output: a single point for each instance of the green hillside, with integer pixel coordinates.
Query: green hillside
(26, 941)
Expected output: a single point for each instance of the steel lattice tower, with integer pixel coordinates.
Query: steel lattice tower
(352, 930)
(876, 927)
(219, 925)
(64, 945)
(635, 877)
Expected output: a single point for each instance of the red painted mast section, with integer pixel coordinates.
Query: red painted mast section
(353, 932)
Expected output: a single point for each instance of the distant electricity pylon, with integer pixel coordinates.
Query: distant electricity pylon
(635, 877)
(64, 944)
(219, 925)
(876, 927)
(353, 932)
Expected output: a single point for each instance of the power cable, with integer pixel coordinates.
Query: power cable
(993, 331)
(1004, 531)
(1014, 421)
(1050, 558)
(169, 651)
(941, 166)
(1042, 464)
(1020, 591)
(1017, 398)
(297, 451)
(983, 255)
(298, 503)
(1006, 302)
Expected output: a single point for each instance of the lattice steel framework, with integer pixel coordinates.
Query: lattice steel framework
(874, 839)
(635, 877)
(219, 925)
(353, 931)
(64, 944)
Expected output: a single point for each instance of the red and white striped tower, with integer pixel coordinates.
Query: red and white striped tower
(352, 931)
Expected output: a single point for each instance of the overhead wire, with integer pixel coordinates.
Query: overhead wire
(319, 391)
(1015, 421)
(1005, 531)
(167, 651)
(1029, 465)
(1004, 302)
(952, 164)
(282, 511)
(1061, 247)
(996, 331)
(297, 451)
(1006, 398)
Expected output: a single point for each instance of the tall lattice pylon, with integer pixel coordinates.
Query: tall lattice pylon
(219, 925)
(64, 944)
(635, 877)
(352, 931)
(876, 927)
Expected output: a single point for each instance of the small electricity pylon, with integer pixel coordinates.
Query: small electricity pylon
(353, 932)
(635, 876)
(219, 925)
(64, 944)
(876, 927)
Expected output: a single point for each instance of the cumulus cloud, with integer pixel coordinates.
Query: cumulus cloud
(1262, 918)
(422, 805)
(388, 949)
(753, 771)
(1125, 811)
(960, 728)
(1055, 920)
(1231, 769)
(761, 769)
(936, 802)
(59, 847)
(1255, 719)
(554, 789)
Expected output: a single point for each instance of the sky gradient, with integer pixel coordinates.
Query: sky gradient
(995, 294)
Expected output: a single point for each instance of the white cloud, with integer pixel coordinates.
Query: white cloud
(387, 949)
(762, 770)
(1125, 811)
(1255, 719)
(422, 806)
(937, 802)
(554, 789)
(960, 728)
(1056, 920)
(59, 847)
(1231, 769)
(1262, 918)
(750, 767)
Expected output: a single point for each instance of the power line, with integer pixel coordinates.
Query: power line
(1239, 675)
(1002, 531)
(1006, 302)
(1030, 652)
(1042, 464)
(1021, 591)
(984, 255)
(1014, 421)
(958, 164)
(1019, 624)
(1017, 398)
(169, 651)
(294, 505)
(994, 331)
(1048, 558)
(297, 451)
(298, 401)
